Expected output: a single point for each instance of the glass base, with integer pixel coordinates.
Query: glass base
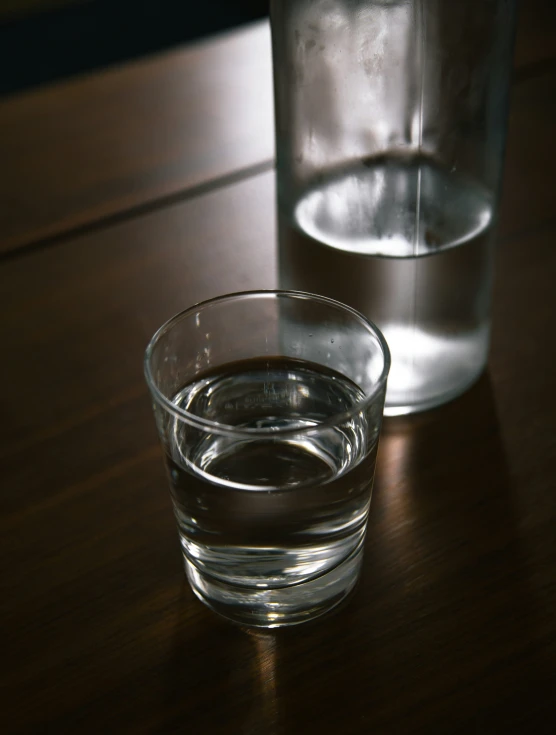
(274, 608)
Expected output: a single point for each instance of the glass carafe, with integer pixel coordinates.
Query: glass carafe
(391, 120)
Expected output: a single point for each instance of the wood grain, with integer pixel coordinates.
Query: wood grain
(453, 626)
(91, 148)
(113, 289)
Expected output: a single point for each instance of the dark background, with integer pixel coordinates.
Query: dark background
(45, 40)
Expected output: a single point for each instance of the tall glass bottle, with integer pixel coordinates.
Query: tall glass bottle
(391, 120)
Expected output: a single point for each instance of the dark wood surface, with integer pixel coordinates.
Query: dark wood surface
(114, 142)
(453, 626)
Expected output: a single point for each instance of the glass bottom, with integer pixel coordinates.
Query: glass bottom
(274, 608)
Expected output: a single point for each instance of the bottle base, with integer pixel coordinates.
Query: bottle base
(430, 402)
(278, 607)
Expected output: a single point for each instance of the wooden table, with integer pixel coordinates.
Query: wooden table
(130, 194)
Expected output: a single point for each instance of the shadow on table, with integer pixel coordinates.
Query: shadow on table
(439, 635)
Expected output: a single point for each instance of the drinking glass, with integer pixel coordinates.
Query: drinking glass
(269, 405)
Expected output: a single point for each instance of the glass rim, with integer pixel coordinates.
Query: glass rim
(229, 429)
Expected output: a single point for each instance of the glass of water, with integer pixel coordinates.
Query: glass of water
(268, 406)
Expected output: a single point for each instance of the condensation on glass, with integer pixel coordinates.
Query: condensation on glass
(390, 130)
